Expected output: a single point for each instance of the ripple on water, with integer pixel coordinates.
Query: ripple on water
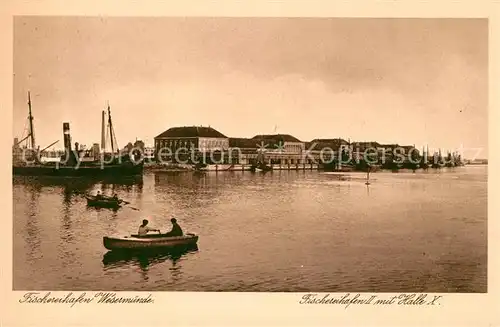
(282, 231)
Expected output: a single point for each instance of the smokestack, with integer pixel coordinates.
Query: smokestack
(103, 132)
(67, 137)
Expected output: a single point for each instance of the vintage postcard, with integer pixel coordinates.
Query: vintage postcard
(250, 163)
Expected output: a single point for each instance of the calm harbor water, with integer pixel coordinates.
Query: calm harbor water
(279, 231)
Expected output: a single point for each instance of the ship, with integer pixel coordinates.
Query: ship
(260, 165)
(74, 162)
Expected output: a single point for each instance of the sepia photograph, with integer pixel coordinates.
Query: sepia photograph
(250, 154)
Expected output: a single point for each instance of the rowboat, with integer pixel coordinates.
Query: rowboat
(261, 168)
(147, 242)
(103, 202)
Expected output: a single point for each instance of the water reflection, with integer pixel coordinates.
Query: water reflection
(112, 185)
(70, 185)
(114, 210)
(32, 236)
(276, 220)
(146, 259)
(176, 178)
(66, 231)
(81, 185)
(208, 182)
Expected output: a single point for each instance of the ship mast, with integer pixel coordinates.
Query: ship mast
(111, 132)
(30, 118)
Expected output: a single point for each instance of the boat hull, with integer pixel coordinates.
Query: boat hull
(94, 170)
(148, 243)
(222, 167)
(106, 203)
(261, 168)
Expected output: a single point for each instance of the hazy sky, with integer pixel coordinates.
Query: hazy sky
(406, 81)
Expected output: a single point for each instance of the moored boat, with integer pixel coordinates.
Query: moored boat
(148, 242)
(74, 162)
(215, 167)
(261, 168)
(103, 202)
(94, 169)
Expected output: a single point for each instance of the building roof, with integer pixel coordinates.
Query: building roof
(240, 142)
(408, 147)
(191, 131)
(276, 137)
(335, 140)
(392, 146)
(326, 143)
(366, 144)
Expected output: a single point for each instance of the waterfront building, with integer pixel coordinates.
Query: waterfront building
(127, 148)
(272, 148)
(281, 151)
(96, 150)
(149, 153)
(139, 144)
(198, 138)
(280, 143)
(334, 144)
(243, 150)
(328, 152)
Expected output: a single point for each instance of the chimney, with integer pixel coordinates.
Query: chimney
(67, 137)
(103, 131)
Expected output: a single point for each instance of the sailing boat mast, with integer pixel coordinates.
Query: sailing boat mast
(30, 118)
(111, 134)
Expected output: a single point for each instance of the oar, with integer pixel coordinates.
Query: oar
(126, 202)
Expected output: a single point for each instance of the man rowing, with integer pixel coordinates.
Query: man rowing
(144, 228)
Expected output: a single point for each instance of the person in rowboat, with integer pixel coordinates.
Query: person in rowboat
(144, 228)
(176, 229)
